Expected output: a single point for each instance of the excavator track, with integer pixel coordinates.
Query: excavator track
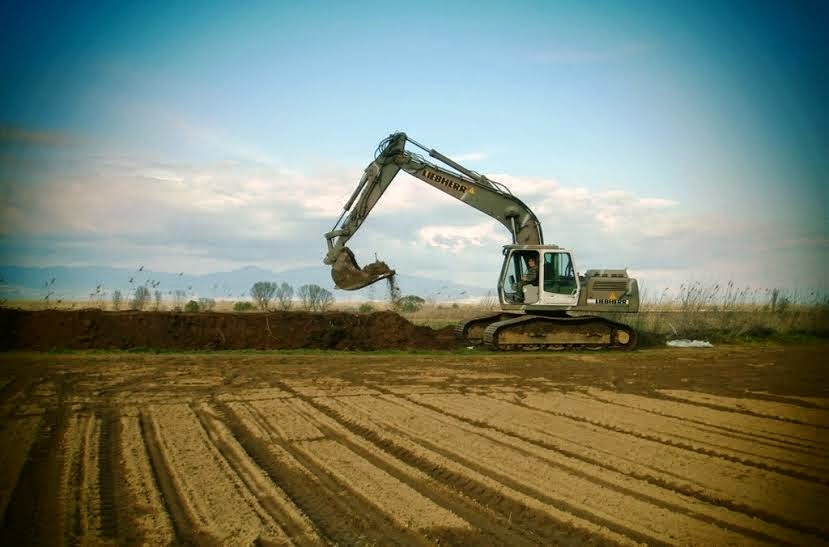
(535, 332)
(471, 331)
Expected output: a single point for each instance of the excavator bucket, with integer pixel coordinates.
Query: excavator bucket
(348, 275)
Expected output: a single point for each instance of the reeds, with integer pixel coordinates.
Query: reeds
(723, 313)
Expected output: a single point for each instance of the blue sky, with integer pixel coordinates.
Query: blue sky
(683, 141)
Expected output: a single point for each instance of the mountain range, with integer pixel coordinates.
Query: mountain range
(99, 282)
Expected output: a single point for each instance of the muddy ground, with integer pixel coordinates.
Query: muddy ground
(661, 446)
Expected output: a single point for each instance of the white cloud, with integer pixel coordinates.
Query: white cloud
(457, 238)
(208, 215)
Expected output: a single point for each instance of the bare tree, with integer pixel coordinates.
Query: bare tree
(315, 298)
(285, 296)
(262, 292)
(325, 299)
(207, 304)
(304, 297)
(157, 296)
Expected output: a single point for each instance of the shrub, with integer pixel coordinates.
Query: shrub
(191, 306)
(262, 293)
(365, 307)
(409, 303)
(242, 306)
(207, 304)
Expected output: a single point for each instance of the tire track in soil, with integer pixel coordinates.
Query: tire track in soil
(17, 436)
(273, 499)
(764, 430)
(787, 468)
(35, 509)
(173, 505)
(689, 444)
(109, 474)
(341, 518)
(488, 527)
(205, 483)
(751, 407)
(673, 489)
(509, 524)
(79, 478)
(546, 517)
(762, 447)
(746, 425)
(637, 507)
(143, 517)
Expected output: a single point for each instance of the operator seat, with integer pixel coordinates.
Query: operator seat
(530, 294)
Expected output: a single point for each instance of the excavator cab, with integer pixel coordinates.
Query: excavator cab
(538, 275)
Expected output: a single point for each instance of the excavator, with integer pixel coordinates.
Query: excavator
(545, 303)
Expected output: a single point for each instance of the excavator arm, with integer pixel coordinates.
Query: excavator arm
(474, 189)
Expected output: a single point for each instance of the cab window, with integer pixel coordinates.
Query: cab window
(559, 275)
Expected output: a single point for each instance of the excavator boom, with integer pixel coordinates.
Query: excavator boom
(475, 190)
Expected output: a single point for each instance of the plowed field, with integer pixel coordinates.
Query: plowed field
(669, 446)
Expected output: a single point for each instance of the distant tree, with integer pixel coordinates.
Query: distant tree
(242, 306)
(207, 304)
(141, 297)
(315, 298)
(409, 303)
(304, 297)
(366, 307)
(262, 293)
(285, 296)
(157, 295)
(192, 306)
(117, 300)
(324, 299)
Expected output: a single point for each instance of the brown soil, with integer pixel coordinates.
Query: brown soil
(96, 329)
(662, 446)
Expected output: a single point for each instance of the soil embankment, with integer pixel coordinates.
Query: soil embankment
(96, 329)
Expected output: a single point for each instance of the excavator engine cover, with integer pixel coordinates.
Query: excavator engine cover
(348, 275)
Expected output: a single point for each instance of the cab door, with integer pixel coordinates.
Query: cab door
(561, 284)
(512, 286)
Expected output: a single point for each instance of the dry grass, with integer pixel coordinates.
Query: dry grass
(727, 313)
